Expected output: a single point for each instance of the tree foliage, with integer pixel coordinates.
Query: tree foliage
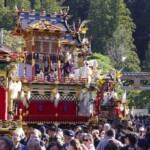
(47, 5)
(14, 42)
(9, 16)
(111, 29)
(78, 9)
(146, 62)
(138, 98)
(104, 62)
(20, 4)
(140, 10)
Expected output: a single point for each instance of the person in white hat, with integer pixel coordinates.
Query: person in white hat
(141, 132)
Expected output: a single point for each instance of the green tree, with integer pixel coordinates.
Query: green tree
(13, 42)
(78, 9)
(139, 98)
(20, 4)
(37, 5)
(102, 23)
(104, 63)
(111, 29)
(50, 5)
(7, 17)
(146, 62)
(140, 10)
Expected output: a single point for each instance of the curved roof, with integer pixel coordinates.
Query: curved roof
(39, 21)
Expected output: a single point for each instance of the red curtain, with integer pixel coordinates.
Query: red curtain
(47, 112)
(48, 108)
(3, 104)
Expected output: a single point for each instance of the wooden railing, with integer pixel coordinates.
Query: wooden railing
(62, 80)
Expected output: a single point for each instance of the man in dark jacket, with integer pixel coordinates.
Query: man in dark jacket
(68, 136)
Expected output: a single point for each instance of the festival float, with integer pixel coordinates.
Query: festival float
(55, 83)
(110, 99)
(8, 61)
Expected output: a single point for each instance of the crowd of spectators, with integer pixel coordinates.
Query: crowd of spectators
(133, 134)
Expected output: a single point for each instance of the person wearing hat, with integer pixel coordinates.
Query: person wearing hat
(45, 136)
(68, 136)
(6, 143)
(141, 132)
(52, 132)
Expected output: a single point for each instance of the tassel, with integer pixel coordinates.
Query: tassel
(14, 94)
(28, 95)
(22, 95)
(19, 86)
(24, 101)
(11, 85)
(69, 57)
(57, 97)
(16, 86)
